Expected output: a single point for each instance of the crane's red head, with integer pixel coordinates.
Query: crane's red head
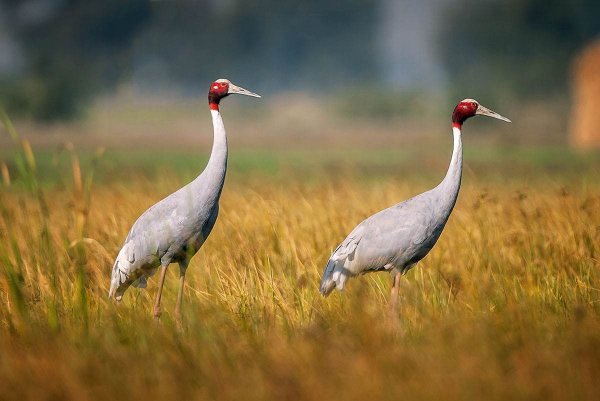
(468, 108)
(218, 90)
(222, 88)
(463, 110)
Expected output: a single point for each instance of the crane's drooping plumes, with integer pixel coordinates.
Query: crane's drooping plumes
(174, 229)
(395, 239)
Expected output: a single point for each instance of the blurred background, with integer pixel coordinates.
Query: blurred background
(127, 73)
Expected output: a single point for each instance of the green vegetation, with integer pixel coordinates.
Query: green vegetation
(534, 164)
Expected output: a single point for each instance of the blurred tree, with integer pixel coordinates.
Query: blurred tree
(75, 48)
(72, 50)
(509, 48)
(278, 44)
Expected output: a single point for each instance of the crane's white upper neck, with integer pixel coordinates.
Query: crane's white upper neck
(457, 149)
(216, 114)
(218, 156)
(453, 177)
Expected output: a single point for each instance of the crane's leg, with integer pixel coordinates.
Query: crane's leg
(182, 270)
(395, 287)
(161, 282)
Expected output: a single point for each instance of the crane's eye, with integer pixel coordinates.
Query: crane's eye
(223, 84)
(474, 104)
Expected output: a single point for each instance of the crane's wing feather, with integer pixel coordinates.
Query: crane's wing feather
(172, 229)
(390, 238)
(148, 240)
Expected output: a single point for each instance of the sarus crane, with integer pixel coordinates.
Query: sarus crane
(396, 238)
(174, 229)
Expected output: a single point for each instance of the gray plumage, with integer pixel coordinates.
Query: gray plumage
(395, 239)
(174, 229)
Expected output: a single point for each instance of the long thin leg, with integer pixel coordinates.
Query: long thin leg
(182, 270)
(161, 282)
(394, 294)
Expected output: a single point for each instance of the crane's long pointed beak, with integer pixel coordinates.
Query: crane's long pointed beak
(484, 111)
(240, 91)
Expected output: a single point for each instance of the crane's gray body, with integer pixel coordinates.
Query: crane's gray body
(396, 238)
(174, 229)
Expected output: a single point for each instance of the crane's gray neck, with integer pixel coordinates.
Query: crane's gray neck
(450, 185)
(212, 178)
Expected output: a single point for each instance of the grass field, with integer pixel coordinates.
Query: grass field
(506, 306)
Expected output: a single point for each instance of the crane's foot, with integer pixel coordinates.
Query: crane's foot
(178, 305)
(161, 282)
(394, 292)
(178, 320)
(157, 313)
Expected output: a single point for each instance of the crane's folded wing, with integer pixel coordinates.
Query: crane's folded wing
(387, 238)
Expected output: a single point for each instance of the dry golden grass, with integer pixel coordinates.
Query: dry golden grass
(506, 306)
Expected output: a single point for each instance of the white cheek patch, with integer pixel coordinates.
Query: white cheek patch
(215, 87)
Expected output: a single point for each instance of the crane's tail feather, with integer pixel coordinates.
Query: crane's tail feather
(125, 274)
(327, 284)
(119, 282)
(114, 283)
(334, 276)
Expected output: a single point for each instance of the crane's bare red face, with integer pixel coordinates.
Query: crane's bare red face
(468, 108)
(222, 88)
(218, 90)
(463, 110)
